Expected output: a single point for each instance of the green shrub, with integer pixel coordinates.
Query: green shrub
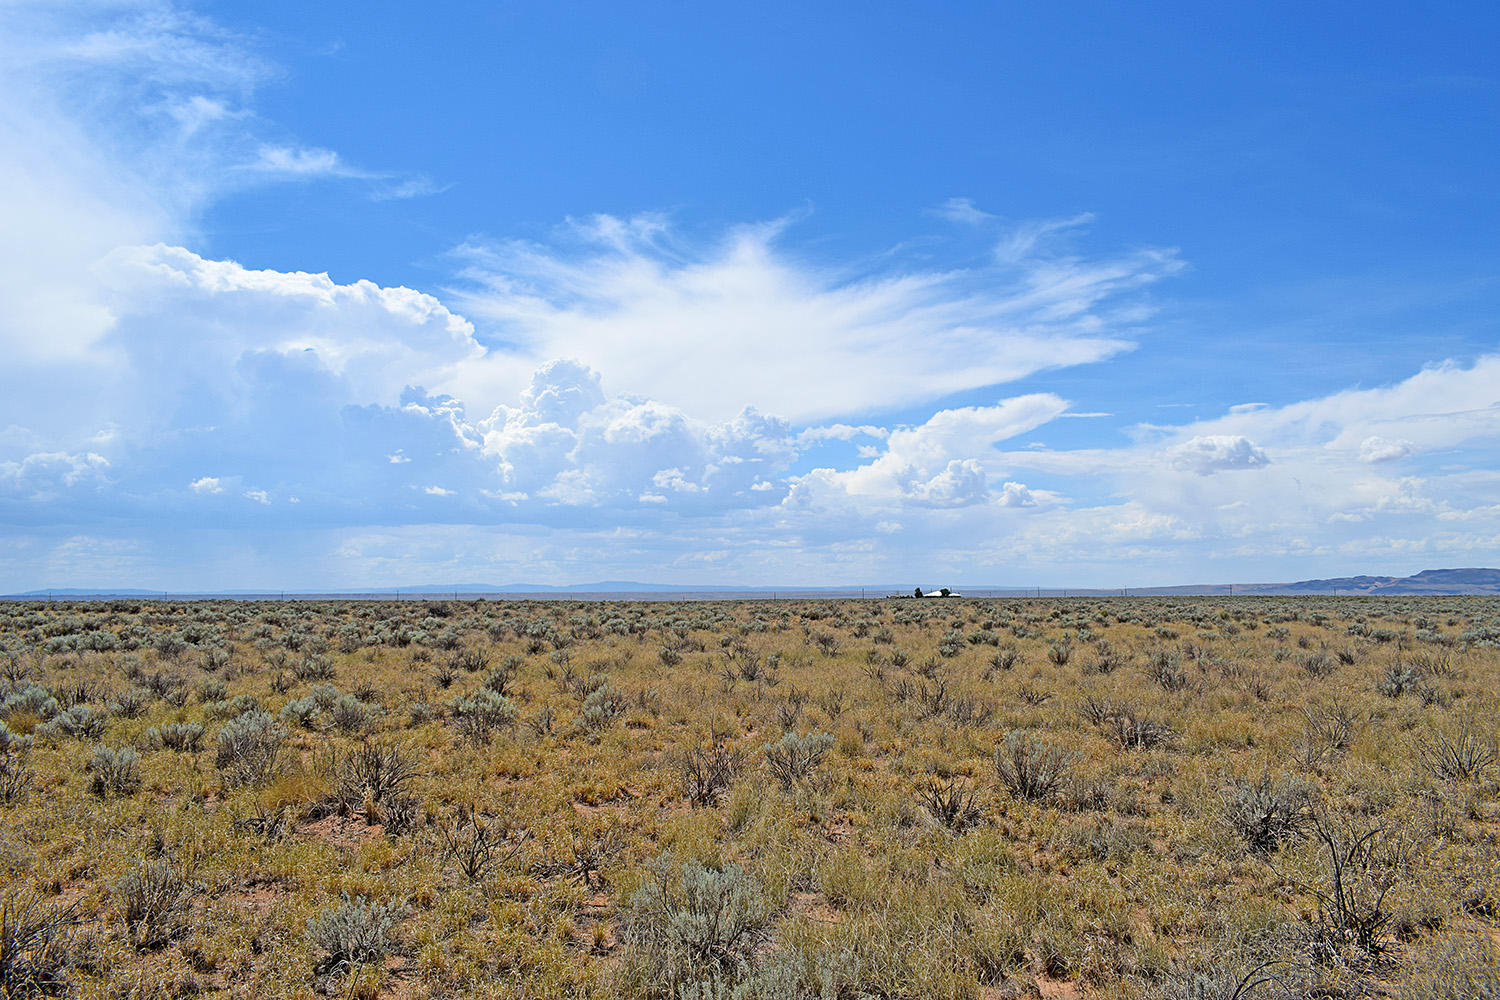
(692, 924)
(354, 932)
(1269, 812)
(1030, 769)
(114, 771)
(479, 715)
(34, 948)
(301, 712)
(154, 904)
(600, 708)
(249, 748)
(794, 758)
(82, 722)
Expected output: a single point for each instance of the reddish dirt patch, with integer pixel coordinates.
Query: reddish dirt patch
(341, 831)
(1057, 989)
(815, 907)
(594, 933)
(256, 900)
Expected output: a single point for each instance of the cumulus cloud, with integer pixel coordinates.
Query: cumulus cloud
(569, 443)
(1210, 453)
(915, 457)
(1016, 495)
(1377, 449)
(43, 476)
(207, 485)
(945, 462)
(960, 484)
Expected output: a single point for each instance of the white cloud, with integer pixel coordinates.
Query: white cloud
(207, 485)
(851, 342)
(120, 120)
(1210, 453)
(962, 210)
(839, 432)
(258, 496)
(43, 476)
(916, 455)
(311, 163)
(960, 484)
(1027, 238)
(946, 462)
(300, 162)
(1016, 495)
(1377, 449)
(182, 321)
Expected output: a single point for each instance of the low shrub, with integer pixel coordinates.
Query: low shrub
(183, 736)
(83, 722)
(354, 932)
(600, 708)
(114, 771)
(479, 715)
(1030, 769)
(1268, 812)
(690, 924)
(708, 768)
(154, 904)
(249, 748)
(793, 758)
(35, 953)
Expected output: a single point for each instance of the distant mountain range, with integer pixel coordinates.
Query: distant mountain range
(1429, 581)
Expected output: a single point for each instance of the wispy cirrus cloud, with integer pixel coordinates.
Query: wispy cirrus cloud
(742, 319)
(962, 210)
(310, 163)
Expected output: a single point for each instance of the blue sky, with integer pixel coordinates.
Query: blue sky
(1066, 294)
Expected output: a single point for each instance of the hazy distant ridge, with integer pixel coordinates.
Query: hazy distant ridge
(1429, 581)
(1473, 580)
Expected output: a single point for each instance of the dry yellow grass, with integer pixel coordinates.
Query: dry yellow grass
(502, 799)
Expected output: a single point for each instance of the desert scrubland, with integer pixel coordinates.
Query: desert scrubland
(1163, 798)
